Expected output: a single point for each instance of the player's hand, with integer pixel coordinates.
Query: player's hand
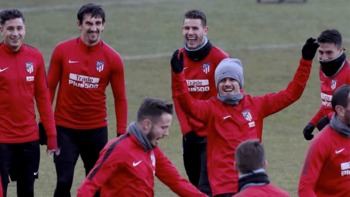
(322, 123)
(52, 145)
(177, 62)
(309, 49)
(54, 152)
(308, 131)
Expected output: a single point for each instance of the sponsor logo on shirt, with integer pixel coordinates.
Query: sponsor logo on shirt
(198, 85)
(3, 69)
(99, 66)
(226, 117)
(326, 100)
(83, 81)
(206, 68)
(345, 168)
(339, 151)
(248, 116)
(72, 61)
(29, 78)
(333, 84)
(136, 163)
(29, 67)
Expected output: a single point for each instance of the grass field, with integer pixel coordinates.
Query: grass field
(266, 37)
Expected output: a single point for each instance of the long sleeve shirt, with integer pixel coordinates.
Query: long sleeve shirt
(124, 168)
(83, 74)
(229, 125)
(199, 77)
(327, 86)
(326, 170)
(22, 84)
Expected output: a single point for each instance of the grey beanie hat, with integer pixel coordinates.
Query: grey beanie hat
(229, 67)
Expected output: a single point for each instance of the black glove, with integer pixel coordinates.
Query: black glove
(308, 131)
(309, 49)
(322, 123)
(42, 134)
(177, 62)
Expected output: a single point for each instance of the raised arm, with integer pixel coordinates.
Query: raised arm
(197, 108)
(274, 102)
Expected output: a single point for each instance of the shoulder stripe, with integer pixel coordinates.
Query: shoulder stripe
(106, 156)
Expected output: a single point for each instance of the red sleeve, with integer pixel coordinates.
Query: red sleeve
(119, 93)
(274, 102)
(312, 167)
(42, 98)
(55, 72)
(319, 114)
(169, 175)
(99, 175)
(180, 113)
(196, 108)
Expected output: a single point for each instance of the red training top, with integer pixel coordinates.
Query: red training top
(84, 73)
(22, 83)
(229, 125)
(328, 85)
(199, 76)
(124, 168)
(326, 170)
(268, 190)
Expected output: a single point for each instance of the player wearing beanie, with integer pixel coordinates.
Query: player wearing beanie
(229, 123)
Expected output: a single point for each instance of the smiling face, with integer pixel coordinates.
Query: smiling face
(159, 129)
(91, 29)
(228, 86)
(328, 51)
(193, 32)
(13, 32)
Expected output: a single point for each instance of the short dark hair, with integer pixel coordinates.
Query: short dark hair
(330, 36)
(153, 108)
(10, 14)
(250, 156)
(93, 9)
(196, 14)
(341, 96)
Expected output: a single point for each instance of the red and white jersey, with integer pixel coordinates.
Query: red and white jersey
(22, 84)
(229, 125)
(328, 86)
(326, 170)
(124, 168)
(83, 74)
(200, 81)
(268, 190)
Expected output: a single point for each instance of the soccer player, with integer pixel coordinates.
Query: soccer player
(253, 179)
(83, 67)
(326, 170)
(200, 60)
(233, 116)
(334, 72)
(22, 83)
(128, 164)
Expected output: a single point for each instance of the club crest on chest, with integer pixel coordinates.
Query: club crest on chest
(206, 68)
(248, 117)
(29, 67)
(100, 66)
